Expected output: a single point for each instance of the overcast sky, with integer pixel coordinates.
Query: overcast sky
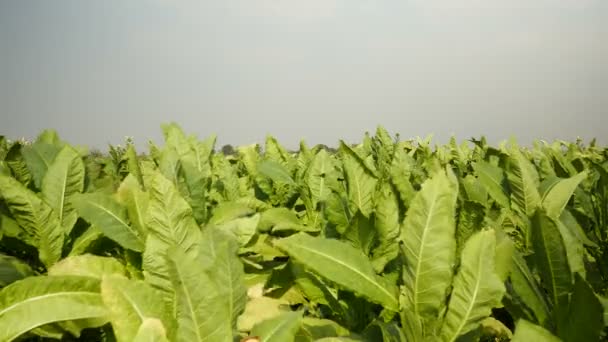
(321, 70)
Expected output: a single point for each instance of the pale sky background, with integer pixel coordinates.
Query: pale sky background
(321, 70)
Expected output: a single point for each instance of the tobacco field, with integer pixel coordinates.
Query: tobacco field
(383, 240)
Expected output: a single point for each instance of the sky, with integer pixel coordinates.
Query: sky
(319, 70)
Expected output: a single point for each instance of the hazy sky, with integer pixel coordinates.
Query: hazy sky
(315, 69)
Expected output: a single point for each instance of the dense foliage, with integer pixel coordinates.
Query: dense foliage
(385, 240)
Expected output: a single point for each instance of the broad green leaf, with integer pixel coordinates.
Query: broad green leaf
(341, 264)
(85, 241)
(475, 190)
(429, 246)
(131, 195)
(319, 176)
(282, 328)
(526, 332)
(219, 259)
(39, 156)
(281, 219)
(169, 215)
(131, 303)
(575, 251)
(133, 165)
(13, 269)
(551, 259)
(585, 320)
(242, 229)
(525, 286)
(201, 311)
(524, 183)
(275, 171)
(315, 328)
(387, 227)
(361, 181)
(36, 301)
(151, 330)
(88, 265)
(259, 309)
(360, 233)
(470, 220)
(492, 178)
(63, 179)
(477, 287)
(110, 217)
(400, 172)
(35, 217)
(337, 212)
(229, 211)
(557, 198)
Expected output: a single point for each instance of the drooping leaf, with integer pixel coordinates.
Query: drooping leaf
(477, 287)
(131, 303)
(35, 217)
(110, 217)
(429, 245)
(556, 199)
(341, 264)
(282, 328)
(493, 178)
(36, 301)
(64, 179)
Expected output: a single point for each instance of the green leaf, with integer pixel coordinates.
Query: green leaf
(169, 215)
(387, 227)
(84, 242)
(493, 179)
(151, 330)
(131, 303)
(275, 171)
(88, 265)
(281, 219)
(39, 156)
(64, 179)
(131, 195)
(320, 175)
(110, 217)
(551, 259)
(220, 261)
(429, 246)
(201, 313)
(341, 264)
(585, 320)
(557, 198)
(36, 301)
(361, 181)
(259, 309)
(525, 286)
(524, 183)
(477, 287)
(35, 217)
(12, 269)
(400, 172)
(526, 332)
(282, 328)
